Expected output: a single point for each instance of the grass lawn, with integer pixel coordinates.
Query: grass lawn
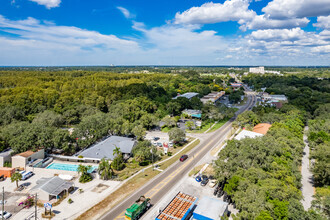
(166, 129)
(203, 128)
(218, 125)
(130, 186)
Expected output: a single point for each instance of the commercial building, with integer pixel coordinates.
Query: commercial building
(259, 69)
(210, 209)
(262, 128)
(22, 159)
(212, 97)
(273, 100)
(5, 156)
(105, 148)
(52, 188)
(6, 171)
(179, 208)
(236, 86)
(247, 134)
(188, 95)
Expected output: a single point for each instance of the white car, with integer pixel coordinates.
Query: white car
(212, 183)
(6, 214)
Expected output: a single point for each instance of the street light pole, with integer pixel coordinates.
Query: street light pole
(35, 207)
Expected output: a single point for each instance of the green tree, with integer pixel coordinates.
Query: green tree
(118, 162)
(116, 151)
(177, 135)
(189, 124)
(16, 177)
(105, 169)
(84, 175)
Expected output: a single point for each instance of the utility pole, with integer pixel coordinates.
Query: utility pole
(35, 207)
(3, 203)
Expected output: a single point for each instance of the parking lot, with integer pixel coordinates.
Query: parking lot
(163, 137)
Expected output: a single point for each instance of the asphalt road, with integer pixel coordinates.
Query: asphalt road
(160, 185)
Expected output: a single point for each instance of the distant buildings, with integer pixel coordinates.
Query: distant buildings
(236, 86)
(272, 100)
(259, 69)
(212, 97)
(188, 95)
(5, 156)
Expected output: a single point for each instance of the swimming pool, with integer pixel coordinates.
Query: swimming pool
(67, 167)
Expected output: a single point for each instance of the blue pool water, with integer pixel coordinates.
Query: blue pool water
(67, 167)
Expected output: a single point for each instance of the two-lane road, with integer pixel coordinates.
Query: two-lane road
(162, 183)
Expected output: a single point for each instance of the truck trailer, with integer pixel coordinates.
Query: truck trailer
(138, 208)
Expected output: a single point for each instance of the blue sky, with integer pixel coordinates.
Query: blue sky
(154, 32)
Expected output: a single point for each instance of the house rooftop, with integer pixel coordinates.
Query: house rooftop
(26, 153)
(6, 153)
(104, 149)
(262, 128)
(247, 134)
(187, 95)
(53, 186)
(211, 208)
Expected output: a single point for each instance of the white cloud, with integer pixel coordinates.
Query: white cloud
(321, 49)
(125, 12)
(263, 22)
(230, 10)
(282, 9)
(323, 22)
(48, 3)
(278, 34)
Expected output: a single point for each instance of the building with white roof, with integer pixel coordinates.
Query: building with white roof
(104, 149)
(188, 95)
(259, 69)
(210, 209)
(247, 134)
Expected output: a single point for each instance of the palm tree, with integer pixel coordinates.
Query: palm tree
(16, 177)
(83, 169)
(116, 151)
(105, 169)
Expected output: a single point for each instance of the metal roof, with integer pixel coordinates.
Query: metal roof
(178, 208)
(53, 186)
(187, 95)
(211, 208)
(247, 134)
(104, 149)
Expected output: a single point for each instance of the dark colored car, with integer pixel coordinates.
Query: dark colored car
(198, 178)
(183, 157)
(205, 180)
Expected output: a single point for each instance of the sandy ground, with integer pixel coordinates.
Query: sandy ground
(307, 176)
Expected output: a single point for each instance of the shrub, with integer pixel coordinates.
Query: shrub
(70, 201)
(169, 154)
(80, 156)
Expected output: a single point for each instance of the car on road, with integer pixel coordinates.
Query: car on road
(205, 180)
(183, 157)
(6, 215)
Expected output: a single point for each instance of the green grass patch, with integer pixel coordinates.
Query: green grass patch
(165, 129)
(202, 129)
(218, 125)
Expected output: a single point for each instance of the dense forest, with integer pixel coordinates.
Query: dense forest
(38, 107)
(262, 175)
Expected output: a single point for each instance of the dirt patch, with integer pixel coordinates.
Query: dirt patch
(100, 188)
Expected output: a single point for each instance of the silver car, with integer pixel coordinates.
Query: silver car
(6, 214)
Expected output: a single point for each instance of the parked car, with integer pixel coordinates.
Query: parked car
(170, 144)
(156, 138)
(183, 157)
(27, 175)
(205, 180)
(2, 178)
(159, 144)
(213, 183)
(5, 214)
(198, 178)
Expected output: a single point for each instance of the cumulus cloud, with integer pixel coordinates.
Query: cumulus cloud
(230, 10)
(321, 49)
(278, 34)
(282, 9)
(264, 22)
(323, 22)
(48, 3)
